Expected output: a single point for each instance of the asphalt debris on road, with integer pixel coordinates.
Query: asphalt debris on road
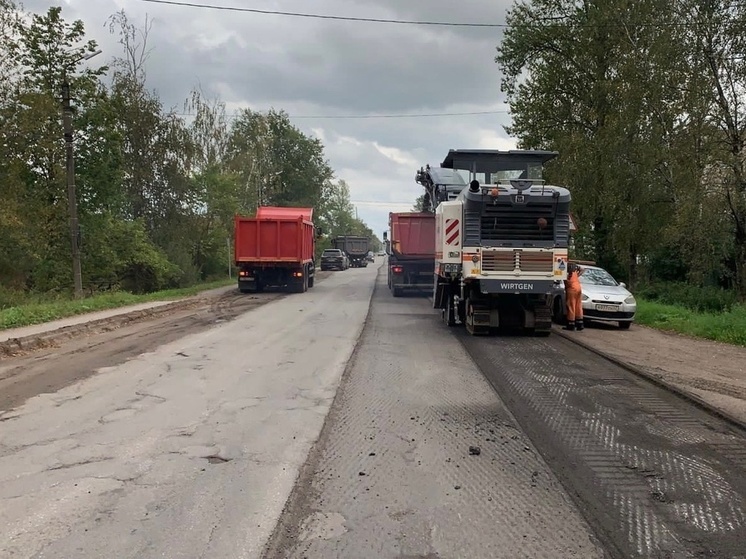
(412, 391)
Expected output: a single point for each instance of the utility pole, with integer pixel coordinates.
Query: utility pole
(67, 123)
(230, 264)
(72, 199)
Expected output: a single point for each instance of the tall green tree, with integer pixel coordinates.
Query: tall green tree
(157, 192)
(41, 51)
(637, 98)
(277, 163)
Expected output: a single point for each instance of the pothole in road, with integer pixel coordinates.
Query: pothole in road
(215, 459)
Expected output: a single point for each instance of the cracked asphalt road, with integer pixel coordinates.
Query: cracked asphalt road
(420, 458)
(190, 450)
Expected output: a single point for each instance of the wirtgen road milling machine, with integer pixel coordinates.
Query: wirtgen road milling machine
(501, 240)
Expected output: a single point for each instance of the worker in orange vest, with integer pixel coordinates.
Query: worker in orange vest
(573, 296)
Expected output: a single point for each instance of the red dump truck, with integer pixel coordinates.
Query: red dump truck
(276, 248)
(411, 252)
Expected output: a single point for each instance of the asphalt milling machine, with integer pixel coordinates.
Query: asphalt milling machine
(501, 240)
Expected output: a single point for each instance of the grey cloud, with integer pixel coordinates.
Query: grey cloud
(321, 67)
(353, 67)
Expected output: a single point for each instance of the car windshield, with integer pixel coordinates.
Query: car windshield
(596, 276)
(332, 252)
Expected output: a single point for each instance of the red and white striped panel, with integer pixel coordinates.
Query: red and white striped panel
(452, 231)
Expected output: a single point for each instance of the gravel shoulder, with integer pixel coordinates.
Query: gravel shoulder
(711, 371)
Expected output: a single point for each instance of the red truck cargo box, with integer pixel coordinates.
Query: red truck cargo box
(413, 234)
(283, 237)
(270, 212)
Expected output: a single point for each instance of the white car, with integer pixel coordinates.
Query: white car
(604, 299)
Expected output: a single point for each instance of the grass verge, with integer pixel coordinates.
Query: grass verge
(728, 327)
(39, 311)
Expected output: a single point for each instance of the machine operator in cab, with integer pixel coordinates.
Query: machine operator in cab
(573, 297)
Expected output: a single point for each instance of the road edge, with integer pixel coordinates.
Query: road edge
(15, 346)
(659, 382)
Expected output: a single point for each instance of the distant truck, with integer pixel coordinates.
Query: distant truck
(411, 251)
(356, 249)
(276, 249)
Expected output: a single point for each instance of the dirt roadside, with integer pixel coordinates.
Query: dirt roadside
(59, 360)
(712, 372)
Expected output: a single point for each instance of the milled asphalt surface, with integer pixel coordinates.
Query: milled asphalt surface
(656, 476)
(188, 451)
(393, 475)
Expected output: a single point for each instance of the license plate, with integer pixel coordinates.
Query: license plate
(609, 308)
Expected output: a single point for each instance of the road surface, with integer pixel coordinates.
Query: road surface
(189, 450)
(393, 474)
(346, 423)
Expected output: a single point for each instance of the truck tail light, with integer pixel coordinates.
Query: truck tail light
(397, 269)
(297, 274)
(244, 273)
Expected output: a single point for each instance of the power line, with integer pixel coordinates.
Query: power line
(412, 22)
(371, 116)
(320, 16)
(402, 115)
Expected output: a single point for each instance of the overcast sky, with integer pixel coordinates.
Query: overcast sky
(311, 67)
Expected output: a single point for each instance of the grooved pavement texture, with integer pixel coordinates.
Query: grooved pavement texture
(392, 474)
(659, 477)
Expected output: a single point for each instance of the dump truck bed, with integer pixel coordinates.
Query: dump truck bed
(284, 236)
(412, 235)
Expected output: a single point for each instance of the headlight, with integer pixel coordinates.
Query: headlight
(585, 297)
(630, 300)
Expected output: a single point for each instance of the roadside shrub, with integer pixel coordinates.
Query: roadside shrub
(121, 256)
(696, 298)
(11, 298)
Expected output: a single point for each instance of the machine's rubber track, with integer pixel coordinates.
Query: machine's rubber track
(477, 318)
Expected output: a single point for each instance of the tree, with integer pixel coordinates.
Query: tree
(420, 204)
(156, 195)
(628, 94)
(717, 49)
(37, 53)
(277, 163)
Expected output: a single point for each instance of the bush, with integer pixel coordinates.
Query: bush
(121, 256)
(696, 298)
(11, 298)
